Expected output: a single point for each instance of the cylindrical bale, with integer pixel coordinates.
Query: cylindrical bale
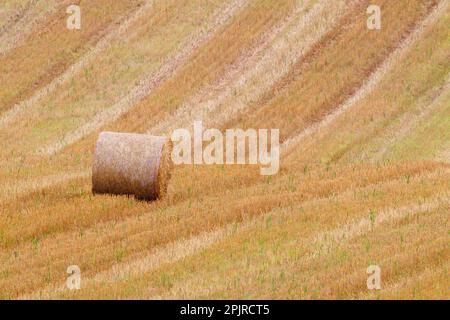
(131, 164)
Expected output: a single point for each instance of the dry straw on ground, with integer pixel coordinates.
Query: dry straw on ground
(131, 164)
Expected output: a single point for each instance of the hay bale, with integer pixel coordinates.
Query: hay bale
(131, 164)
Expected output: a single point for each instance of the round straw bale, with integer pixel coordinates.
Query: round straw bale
(132, 164)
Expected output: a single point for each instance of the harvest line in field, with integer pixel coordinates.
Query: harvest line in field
(224, 150)
(151, 81)
(116, 30)
(293, 39)
(372, 81)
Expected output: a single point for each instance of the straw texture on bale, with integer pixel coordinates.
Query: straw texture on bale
(132, 164)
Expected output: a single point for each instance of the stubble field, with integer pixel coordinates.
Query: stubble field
(364, 119)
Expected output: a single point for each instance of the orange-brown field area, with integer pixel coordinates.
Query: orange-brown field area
(364, 131)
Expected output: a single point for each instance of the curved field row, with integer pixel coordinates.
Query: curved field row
(112, 32)
(193, 284)
(50, 49)
(209, 37)
(296, 39)
(306, 95)
(45, 122)
(304, 272)
(24, 19)
(430, 114)
(32, 132)
(321, 244)
(374, 79)
(116, 241)
(148, 84)
(349, 137)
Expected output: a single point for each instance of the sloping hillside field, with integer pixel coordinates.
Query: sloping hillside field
(307, 147)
